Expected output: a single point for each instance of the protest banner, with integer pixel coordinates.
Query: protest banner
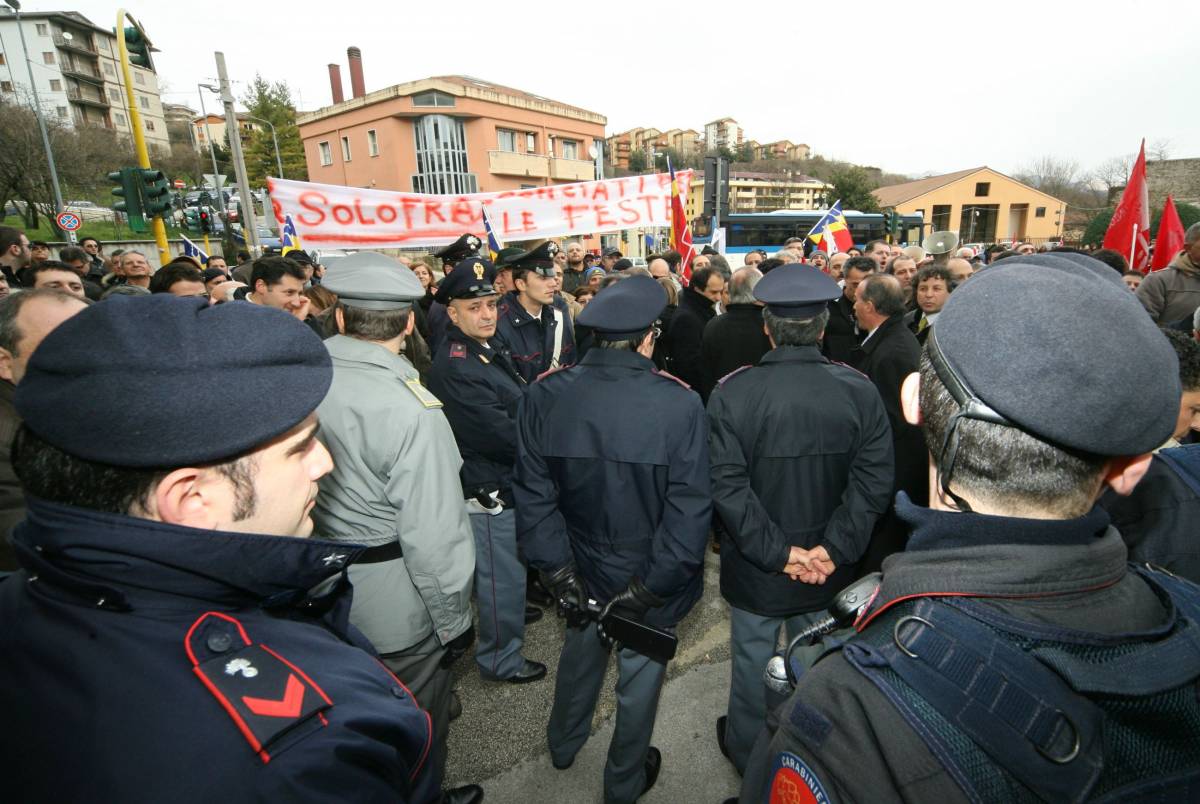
(351, 217)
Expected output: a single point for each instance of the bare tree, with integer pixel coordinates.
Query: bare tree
(1159, 150)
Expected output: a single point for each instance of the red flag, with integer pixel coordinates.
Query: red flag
(681, 233)
(1129, 231)
(1170, 237)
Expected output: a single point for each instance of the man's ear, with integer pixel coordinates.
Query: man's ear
(182, 498)
(910, 399)
(6, 366)
(1122, 474)
(412, 322)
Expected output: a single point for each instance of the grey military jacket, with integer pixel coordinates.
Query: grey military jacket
(395, 478)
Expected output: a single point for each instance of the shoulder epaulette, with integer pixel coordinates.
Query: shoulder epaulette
(423, 394)
(548, 372)
(733, 373)
(671, 377)
(457, 350)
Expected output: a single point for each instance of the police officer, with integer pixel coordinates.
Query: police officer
(801, 455)
(475, 379)
(1011, 653)
(618, 513)
(467, 245)
(394, 487)
(535, 323)
(171, 613)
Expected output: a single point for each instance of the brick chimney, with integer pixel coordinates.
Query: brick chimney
(357, 86)
(335, 83)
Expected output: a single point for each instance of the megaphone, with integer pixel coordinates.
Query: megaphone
(940, 245)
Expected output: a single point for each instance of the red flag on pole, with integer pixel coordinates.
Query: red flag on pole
(1170, 237)
(681, 232)
(1129, 231)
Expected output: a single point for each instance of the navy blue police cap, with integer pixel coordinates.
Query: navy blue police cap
(165, 360)
(625, 309)
(1067, 260)
(539, 259)
(1061, 349)
(796, 291)
(506, 255)
(470, 279)
(467, 245)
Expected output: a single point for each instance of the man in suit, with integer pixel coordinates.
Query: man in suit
(842, 334)
(933, 285)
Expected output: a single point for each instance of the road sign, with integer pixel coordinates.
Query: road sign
(179, 184)
(68, 221)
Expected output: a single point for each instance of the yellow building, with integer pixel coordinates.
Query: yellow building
(981, 205)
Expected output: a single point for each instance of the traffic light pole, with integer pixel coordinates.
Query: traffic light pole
(139, 139)
(248, 219)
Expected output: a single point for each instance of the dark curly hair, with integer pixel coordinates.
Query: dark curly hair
(1188, 352)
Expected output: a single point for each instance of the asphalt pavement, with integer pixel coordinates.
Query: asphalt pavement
(500, 740)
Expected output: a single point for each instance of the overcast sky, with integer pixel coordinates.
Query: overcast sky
(913, 88)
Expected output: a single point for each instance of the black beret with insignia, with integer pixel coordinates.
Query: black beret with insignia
(539, 259)
(466, 246)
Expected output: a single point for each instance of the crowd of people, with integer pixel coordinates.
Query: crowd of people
(544, 430)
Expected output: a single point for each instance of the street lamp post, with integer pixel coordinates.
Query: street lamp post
(274, 139)
(208, 136)
(37, 109)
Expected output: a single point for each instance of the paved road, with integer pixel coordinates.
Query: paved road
(500, 740)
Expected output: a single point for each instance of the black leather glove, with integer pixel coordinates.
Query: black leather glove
(458, 646)
(632, 603)
(568, 589)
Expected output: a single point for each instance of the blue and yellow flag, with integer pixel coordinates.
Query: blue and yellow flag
(291, 239)
(190, 249)
(494, 244)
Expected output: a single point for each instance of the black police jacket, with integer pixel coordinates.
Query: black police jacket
(480, 389)
(1057, 578)
(530, 340)
(612, 476)
(151, 662)
(801, 456)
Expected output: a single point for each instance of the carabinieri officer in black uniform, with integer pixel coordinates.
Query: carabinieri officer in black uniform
(476, 381)
(173, 635)
(436, 319)
(535, 322)
(617, 512)
(1011, 653)
(801, 453)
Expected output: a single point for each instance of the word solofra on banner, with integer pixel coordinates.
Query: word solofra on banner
(350, 217)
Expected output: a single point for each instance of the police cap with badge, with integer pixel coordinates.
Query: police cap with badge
(151, 396)
(796, 291)
(1081, 356)
(373, 281)
(624, 310)
(471, 279)
(539, 260)
(466, 246)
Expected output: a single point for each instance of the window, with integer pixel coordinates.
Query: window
(345, 149)
(433, 99)
(114, 95)
(326, 154)
(43, 29)
(506, 140)
(108, 69)
(48, 57)
(139, 78)
(55, 85)
(982, 188)
(570, 149)
(120, 118)
(530, 143)
(978, 223)
(149, 125)
(941, 217)
(1040, 212)
(143, 101)
(6, 86)
(441, 145)
(372, 143)
(62, 112)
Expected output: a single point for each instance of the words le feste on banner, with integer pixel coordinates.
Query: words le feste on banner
(332, 216)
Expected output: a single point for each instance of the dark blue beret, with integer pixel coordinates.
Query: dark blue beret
(460, 249)
(540, 258)
(796, 291)
(625, 309)
(158, 367)
(1064, 352)
(470, 279)
(1067, 260)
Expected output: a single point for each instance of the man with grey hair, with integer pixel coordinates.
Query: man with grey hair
(799, 479)
(1174, 292)
(787, 255)
(890, 353)
(136, 269)
(736, 338)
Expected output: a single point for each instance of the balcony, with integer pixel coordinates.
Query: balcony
(573, 169)
(74, 69)
(82, 97)
(509, 163)
(77, 43)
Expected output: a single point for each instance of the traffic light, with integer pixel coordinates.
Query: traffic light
(205, 220)
(138, 46)
(191, 219)
(129, 188)
(156, 192)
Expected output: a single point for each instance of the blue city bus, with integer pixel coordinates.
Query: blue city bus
(770, 230)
